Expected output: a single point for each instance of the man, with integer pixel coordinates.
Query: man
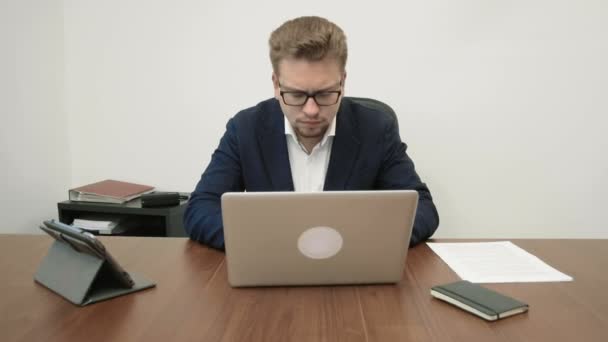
(307, 138)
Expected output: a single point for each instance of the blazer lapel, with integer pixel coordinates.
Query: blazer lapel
(273, 145)
(344, 151)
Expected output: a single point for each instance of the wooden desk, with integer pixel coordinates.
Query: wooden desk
(193, 301)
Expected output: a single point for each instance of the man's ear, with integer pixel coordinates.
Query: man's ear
(275, 85)
(343, 79)
(275, 81)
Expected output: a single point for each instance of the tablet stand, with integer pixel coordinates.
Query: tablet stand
(82, 278)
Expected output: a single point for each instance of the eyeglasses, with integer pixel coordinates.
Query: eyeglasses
(322, 98)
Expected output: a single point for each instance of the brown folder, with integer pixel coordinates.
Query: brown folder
(109, 191)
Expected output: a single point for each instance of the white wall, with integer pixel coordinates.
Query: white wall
(34, 154)
(502, 103)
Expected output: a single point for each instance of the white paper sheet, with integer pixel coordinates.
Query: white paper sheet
(94, 224)
(495, 262)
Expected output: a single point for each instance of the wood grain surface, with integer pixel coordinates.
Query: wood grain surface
(193, 301)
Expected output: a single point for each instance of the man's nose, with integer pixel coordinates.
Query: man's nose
(311, 108)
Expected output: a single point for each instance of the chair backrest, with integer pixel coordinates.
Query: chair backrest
(375, 104)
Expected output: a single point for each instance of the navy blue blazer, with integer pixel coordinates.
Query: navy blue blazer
(367, 154)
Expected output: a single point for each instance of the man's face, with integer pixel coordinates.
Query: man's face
(309, 121)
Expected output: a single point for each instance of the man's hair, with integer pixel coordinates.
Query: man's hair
(309, 38)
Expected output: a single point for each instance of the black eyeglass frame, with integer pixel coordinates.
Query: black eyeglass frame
(309, 95)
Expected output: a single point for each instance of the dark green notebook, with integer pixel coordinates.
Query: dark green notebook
(478, 300)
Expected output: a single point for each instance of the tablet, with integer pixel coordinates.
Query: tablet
(85, 242)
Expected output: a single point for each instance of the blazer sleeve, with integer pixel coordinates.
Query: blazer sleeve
(203, 215)
(398, 172)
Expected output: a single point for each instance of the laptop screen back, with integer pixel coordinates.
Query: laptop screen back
(336, 237)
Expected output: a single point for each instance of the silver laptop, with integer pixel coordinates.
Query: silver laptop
(319, 238)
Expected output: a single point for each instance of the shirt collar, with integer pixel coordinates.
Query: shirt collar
(331, 131)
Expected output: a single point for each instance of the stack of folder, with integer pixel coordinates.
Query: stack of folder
(109, 191)
(100, 227)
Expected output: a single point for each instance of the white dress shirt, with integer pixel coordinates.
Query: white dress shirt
(308, 170)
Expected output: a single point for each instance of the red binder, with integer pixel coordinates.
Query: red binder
(109, 191)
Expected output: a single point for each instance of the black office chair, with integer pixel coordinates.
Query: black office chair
(375, 104)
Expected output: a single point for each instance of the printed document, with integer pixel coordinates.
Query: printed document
(495, 262)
